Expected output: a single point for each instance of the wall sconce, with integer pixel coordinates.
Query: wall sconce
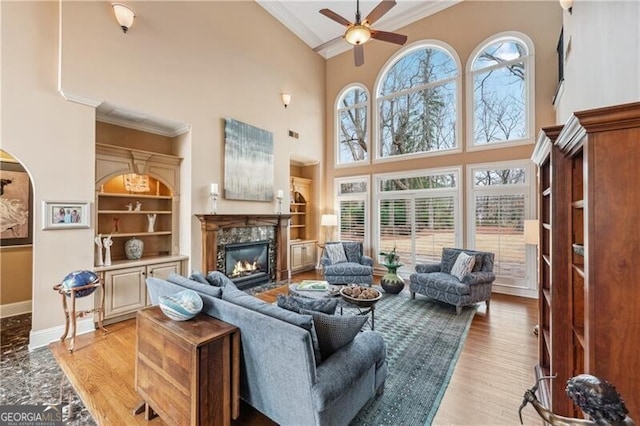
(566, 5)
(213, 194)
(124, 15)
(328, 221)
(286, 99)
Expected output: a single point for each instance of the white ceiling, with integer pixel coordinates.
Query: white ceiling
(303, 18)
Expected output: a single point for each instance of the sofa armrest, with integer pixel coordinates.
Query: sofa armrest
(425, 268)
(324, 261)
(345, 366)
(366, 260)
(475, 278)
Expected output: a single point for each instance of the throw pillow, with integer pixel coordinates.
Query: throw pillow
(464, 265)
(335, 331)
(198, 276)
(335, 253)
(353, 251)
(296, 304)
(218, 279)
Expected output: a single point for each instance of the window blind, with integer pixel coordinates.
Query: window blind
(352, 216)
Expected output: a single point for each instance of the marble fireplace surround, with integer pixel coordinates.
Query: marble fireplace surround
(220, 229)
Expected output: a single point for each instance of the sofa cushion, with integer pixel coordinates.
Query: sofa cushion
(348, 269)
(326, 305)
(464, 265)
(335, 331)
(194, 285)
(353, 251)
(439, 281)
(449, 257)
(335, 252)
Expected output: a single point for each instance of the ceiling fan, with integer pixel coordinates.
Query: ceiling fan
(359, 32)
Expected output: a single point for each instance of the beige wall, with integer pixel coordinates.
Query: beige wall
(602, 45)
(15, 274)
(463, 27)
(184, 61)
(111, 134)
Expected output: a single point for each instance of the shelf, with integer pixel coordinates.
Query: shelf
(136, 234)
(297, 226)
(297, 213)
(579, 333)
(579, 269)
(134, 212)
(143, 196)
(578, 204)
(546, 192)
(298, 204)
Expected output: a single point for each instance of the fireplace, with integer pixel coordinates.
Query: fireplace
(247, 264)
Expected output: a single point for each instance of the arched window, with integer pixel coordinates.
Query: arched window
(417, 101)
(352, 110)
(501, 83)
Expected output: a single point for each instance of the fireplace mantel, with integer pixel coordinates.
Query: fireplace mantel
(211, 224)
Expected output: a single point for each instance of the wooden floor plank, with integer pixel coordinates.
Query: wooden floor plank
(494, 369)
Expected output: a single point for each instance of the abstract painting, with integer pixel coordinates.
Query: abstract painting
(248, 162)
(16, 210)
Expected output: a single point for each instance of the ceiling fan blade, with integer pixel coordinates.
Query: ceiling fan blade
(378, 11)
(326, 44)
(389, 37)
(332, 15)
(358, 54)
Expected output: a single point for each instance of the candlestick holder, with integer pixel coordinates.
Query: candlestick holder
(214, 202)
(279, 201)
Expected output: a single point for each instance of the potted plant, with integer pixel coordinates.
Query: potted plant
(391, 282)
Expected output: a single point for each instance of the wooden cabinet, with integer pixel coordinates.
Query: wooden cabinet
(133, 189)
(303, 255)
(592, 322)
(188, 371)
(125, 287)
(299, 228)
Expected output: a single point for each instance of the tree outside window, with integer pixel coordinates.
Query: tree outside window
(353, 144)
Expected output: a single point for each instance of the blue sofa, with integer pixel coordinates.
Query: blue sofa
(435, 281)
(279, 375)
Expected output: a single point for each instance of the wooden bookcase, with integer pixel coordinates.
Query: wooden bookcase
(589, 316)
(302, 249)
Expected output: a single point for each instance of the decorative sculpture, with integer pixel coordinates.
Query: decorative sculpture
(138, 206)
(596, 398)
(98, 240)
(151, 218)
(130, 207)
(106, 242)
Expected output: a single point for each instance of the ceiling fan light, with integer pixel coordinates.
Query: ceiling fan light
(357, 34)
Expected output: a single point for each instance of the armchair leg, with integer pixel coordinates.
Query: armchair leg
(487, 303)
(413, 294)
(458, 310)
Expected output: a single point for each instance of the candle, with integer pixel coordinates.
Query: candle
(280, 193)
(214, 188)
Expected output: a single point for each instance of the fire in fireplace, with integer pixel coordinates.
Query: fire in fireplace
(247, 264)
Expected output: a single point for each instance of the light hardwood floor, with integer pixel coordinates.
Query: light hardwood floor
(494, 369)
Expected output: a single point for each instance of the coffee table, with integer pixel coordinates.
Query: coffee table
(342, 303)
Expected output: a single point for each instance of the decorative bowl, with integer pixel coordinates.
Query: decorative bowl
(77, 279)
(181, 306)
(358, 300)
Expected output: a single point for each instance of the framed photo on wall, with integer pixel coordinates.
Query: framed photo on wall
(16, 204)
(65, 214)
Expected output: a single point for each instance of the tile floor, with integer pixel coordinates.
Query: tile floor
(34, 378)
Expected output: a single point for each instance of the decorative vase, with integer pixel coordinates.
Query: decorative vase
(133, 248)
(151, 219)
(391, 281)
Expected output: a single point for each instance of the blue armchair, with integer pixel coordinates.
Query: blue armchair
(345, 263)
(435, 281)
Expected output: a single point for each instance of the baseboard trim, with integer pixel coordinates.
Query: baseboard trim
(13, 309)
(513, 291)
(40, 338)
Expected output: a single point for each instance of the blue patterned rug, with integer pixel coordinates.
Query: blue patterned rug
(424, 339)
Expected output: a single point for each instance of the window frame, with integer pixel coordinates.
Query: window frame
(529, 64)
(337, 109)
(506, 285)
(375, 119)
(456, 191)
(360, 196)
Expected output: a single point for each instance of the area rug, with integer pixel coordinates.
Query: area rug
(424, 339)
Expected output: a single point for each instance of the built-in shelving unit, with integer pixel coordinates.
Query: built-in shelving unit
(302, 248)
(589, 294)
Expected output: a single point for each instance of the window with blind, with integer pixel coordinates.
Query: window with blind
(418, 215)
(500, 201)
(353, 211)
